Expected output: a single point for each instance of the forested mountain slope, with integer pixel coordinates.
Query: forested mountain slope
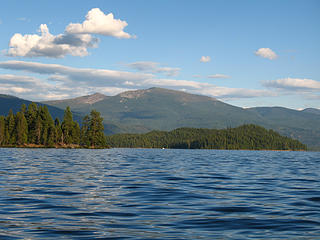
(142, 111)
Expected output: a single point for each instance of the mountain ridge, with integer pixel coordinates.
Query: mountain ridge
(87, 99)
(14, 103)
(140, 111)
(137, 93)
(311, 110)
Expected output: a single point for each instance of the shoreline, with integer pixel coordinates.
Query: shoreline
(65, 146)
(73, 146)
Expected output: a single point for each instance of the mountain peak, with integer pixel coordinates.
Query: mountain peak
(91, 99)
(164, 92)
(88, 99)
(133, 94)
(96, 97)
(8, 96)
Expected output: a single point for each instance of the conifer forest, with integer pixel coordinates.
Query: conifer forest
(33, 126)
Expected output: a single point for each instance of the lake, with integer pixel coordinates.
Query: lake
(159, 194)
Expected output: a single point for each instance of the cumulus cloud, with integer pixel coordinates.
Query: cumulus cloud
(74, 41)
(218, 76)
(294, 84)
(48, 45)
(153, 67)
(266, 53)
(58, 80)
(24, 85)
(10, 78)
(99, 23)
(209, 89)
(228, 93)
(205, 59)
(94, 77)
(175, 84)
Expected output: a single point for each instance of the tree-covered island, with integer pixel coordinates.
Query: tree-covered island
(34, 127)
(248, 137)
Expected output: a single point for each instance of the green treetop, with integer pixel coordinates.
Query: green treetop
(67, 126)
(92, 130)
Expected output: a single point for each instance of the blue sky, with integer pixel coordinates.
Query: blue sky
(246, 53)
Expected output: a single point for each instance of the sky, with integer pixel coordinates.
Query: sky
(245, 53)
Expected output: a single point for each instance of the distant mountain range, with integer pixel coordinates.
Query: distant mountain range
(162, 109)
(8, 102)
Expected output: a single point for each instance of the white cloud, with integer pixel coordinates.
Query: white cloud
(93, 77)
(10, 78)
(313, 97)
(153, 67)
(74, 41)
(99, 23)
(32, 88)
(23, 85)
(11, 90)
(228, 93)
(176, 84)
(58, 80)
(48, 45)
(294, 84)
(205, 59)
(208, 89)
(110, 91)
(266, 53)
(218, 76)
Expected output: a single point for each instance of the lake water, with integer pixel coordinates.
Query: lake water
(159, 194)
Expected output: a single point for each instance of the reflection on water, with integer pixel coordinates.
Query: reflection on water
(158, 194)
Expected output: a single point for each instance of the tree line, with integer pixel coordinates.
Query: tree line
(251, 137)
(34, 126)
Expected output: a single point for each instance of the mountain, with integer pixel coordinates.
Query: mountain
(8, 102)
(244, 137)
(301, 125)
(163, 109)
(312, 110)
(82, 103)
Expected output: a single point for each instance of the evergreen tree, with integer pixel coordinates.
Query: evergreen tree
(31, 116)
(50, 128)
(2, 130)
(35, 126)
(37, 130)
(95, 133)
(243, 137)
(23, 109)
(76, 133)
(11, 124)
(58, 131)
(67, 126)
(51, 135)
(21, 129)
(84, 134)
(47, 130)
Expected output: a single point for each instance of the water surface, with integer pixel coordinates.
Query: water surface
(158, 194)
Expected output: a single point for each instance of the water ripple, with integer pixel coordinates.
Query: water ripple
(158, 194)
